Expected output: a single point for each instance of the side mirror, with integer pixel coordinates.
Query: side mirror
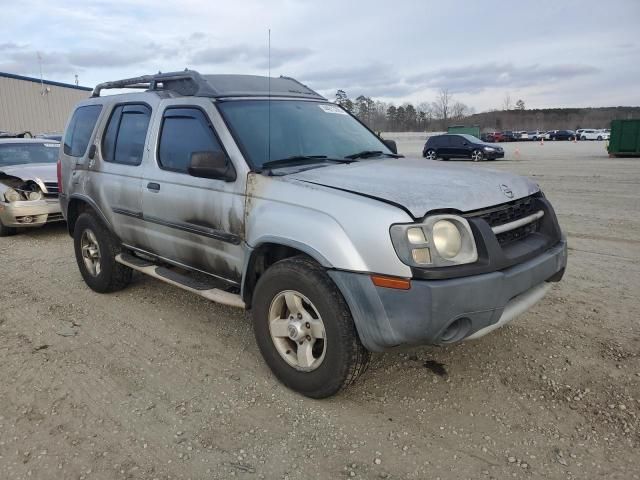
(391, 145)
(214, 165)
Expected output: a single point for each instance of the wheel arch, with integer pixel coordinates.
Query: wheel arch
(79, 204)
(269, 251)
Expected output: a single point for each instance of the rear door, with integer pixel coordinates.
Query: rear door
(196, 222)
(119, 169)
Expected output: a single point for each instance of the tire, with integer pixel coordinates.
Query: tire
(338, 357)
(107, 275)
(583, 138)
(477, 155)
(599, 138)
(431, 154)
(7, 231)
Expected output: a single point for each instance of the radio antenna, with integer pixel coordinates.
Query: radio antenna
(269, 99)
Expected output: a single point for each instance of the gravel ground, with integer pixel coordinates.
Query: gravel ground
(153, 382)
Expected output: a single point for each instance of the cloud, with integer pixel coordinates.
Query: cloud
(256, 57)
(107, 58)
(476, 78)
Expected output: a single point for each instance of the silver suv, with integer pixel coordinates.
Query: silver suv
(258, 193)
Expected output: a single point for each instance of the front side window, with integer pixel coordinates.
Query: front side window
(184, 131)
(291, 128)
(125, 135)
(78, 134)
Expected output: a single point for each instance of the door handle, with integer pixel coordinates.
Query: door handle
(153, 187)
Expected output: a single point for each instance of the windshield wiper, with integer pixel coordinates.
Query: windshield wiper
(302, 160)
(371, 153)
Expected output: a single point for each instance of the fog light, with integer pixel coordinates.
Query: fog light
(26, 219)
(421, 256)
(416, 236)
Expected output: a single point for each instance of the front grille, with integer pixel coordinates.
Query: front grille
(55, 217)
(52, 190)
(509, 212)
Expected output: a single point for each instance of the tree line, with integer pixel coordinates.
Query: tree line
(387, 117)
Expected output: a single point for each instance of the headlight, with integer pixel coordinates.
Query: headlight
(447, 238)
(489, 149)
(12, 195)
(439, 241)
(34, 195)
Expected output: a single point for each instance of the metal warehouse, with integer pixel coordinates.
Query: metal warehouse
(34, 105)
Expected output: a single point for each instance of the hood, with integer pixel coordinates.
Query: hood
(419, 186)
(45, 172)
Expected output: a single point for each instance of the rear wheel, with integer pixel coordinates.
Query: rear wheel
(476, 155)
(430, 154)
(304, 329)
(6, 231)
(96, 249)
(599, 137)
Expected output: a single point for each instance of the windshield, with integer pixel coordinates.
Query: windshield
(297, 128)
(24, 153)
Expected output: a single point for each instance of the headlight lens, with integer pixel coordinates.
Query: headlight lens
(439, 241)
(12, 195)
(447, 238)
(34, 196)
(489, 149)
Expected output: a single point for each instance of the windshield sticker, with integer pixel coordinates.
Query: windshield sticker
(331, 109)
(52, 145)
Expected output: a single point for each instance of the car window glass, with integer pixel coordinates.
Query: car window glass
(78, 134)
(184, 131)
(456, 141)
(125, 135)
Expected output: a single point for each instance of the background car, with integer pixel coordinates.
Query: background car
(536, 135)
(460, 146)
(562, 135)
(28, 184)
(508, 136)
(592, 134)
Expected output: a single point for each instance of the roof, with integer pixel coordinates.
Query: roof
(192, 83)
(4, 141)
(46, 82)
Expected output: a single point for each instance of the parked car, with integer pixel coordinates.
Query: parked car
(487, 137)
(508, 136)
(536, 135)
(562, 135)
(50, 136)
(336, 244)
(496, 136)
(460, 146)
(28, 184)
(521, 136)
(592, 134)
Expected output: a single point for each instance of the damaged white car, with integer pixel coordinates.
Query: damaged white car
(28, 184)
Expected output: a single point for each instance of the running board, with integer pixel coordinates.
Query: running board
(178, 280)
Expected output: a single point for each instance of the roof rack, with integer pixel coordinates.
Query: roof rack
(192, 83)
(188, 82)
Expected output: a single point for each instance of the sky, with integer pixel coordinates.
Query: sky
(547, 53)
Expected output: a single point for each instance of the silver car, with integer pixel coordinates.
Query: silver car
(28, 184)
(260, 194)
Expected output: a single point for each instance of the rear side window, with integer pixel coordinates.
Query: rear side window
(126, 133)
(456, 141)
(184, 131)
(435, 141)
(78, 134)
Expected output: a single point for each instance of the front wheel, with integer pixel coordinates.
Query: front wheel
(430, 154)
(304, 329)
(476, 155)
(96, 249)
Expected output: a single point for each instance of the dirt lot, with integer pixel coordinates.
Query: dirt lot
(153, 382)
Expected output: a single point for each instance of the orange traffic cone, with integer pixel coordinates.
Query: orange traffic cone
(575, 139)
(517, 153)
(541, 140)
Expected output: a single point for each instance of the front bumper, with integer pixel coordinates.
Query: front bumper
(494, 155)
(33, 213)
(446, 311)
